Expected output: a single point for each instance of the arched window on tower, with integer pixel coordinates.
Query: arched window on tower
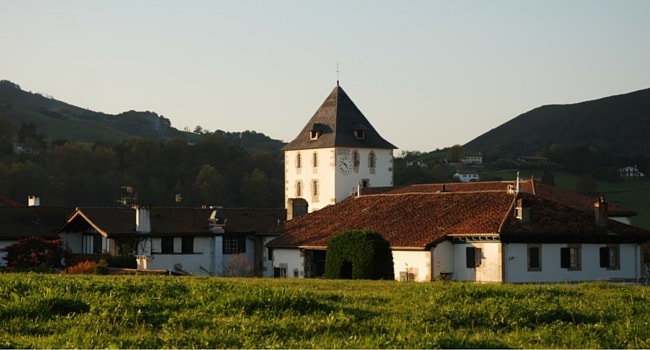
(298, 161)
(298, 188)
(372, 162)
(355, 160)
(314, 160)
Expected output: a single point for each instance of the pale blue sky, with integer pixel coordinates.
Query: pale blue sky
(427, 74)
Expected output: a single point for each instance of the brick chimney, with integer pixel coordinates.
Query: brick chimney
(600, 212)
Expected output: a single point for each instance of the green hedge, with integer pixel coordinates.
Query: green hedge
(359, 254)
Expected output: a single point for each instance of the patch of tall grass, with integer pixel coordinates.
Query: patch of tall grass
(90, 311)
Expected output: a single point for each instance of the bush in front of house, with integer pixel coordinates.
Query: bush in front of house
(122, 261)
(34, 254)
(359, 254)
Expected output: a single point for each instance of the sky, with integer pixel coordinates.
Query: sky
(427, 74)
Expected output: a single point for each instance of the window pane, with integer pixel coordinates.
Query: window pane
(167, 245)
(187, 245)
(470, 257)
(533, 257)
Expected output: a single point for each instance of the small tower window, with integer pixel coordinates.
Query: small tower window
(355, 159)
(298, 188)
(314, 188)
(298, 161)
(372, 160)
(359, 134)
(314, 160)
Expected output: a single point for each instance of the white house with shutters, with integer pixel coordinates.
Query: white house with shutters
(505, 231)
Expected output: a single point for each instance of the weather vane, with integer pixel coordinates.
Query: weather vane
(337, 74)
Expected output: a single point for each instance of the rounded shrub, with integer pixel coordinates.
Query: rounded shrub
(359, 254)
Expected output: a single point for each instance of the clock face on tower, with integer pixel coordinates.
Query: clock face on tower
(345, 164)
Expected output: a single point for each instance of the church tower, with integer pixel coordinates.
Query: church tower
(337, 154)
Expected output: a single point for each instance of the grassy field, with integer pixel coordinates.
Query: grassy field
(83, 311)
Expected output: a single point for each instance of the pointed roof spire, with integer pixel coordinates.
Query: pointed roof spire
(338, 123)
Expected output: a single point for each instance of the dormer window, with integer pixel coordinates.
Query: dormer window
(359, 134)
(314, 134)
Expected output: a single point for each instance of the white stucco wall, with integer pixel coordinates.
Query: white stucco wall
(292, 259)
(516, 268)
(417, 262)
(443, 260)
(199, 263)
(72, 241)
(333, 185)
(489, 269)
(268, 262)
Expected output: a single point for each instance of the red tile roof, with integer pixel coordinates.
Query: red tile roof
(420, 215)
(8, 202)
(411, 220)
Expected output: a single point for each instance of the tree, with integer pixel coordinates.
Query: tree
(255, 190)
(359, 254)
(34, 254)
(210, 186)
(455, 153)
(586, 184)
(547, 177)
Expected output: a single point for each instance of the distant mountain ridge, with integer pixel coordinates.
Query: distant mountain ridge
(618, 125)
(59, 120)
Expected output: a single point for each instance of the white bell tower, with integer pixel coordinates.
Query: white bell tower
(336, 155)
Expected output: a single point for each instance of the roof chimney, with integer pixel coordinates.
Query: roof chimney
(142, 220)
(600, 212)
(522, 211)
(33, 201)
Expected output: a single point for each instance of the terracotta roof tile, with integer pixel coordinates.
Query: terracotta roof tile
(412, 220)
(419, 215)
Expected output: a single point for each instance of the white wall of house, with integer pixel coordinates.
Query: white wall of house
(268, 262)
(198, 263)
(489, 268)
(72, 240)
(417, 263)
(290, 259)
(443, 260)
(516, 268)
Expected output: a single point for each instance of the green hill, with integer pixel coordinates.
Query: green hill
(617, 125)
(58, 120)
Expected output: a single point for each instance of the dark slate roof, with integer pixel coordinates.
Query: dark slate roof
(336, 119)
(24, 222)
(120, 221)
(412, 219)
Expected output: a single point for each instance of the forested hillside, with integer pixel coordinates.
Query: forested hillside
(69, 156)
(210, 172)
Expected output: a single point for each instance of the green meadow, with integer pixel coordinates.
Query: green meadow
(90, 311)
